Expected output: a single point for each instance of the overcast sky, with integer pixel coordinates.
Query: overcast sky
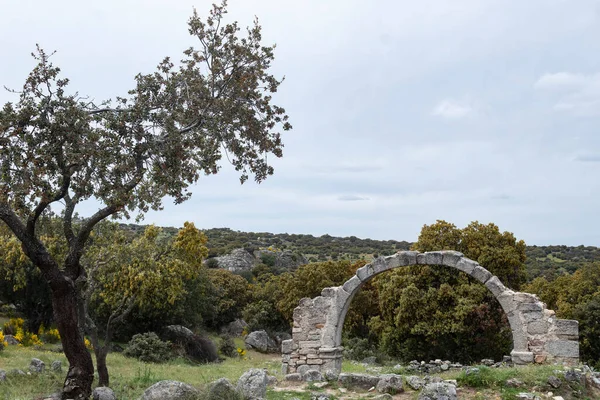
(404, 112)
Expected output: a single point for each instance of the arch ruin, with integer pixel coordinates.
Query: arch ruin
(538, 336)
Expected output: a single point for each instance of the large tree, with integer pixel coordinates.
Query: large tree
(130, 153)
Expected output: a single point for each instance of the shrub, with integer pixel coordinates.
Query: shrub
(12, 326)
(3, 343)
(49, 335)
(27, 339)
(148, 347)
(200, 349)
(227, 346)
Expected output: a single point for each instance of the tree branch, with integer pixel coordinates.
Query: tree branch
(31, 221)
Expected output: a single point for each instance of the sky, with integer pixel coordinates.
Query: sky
(404, 112)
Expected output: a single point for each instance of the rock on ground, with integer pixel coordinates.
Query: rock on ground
(56, 366)
(169, 390)
(390, 383)
(221, 389)
(37, 365)
(363, 381)
(438, 391)
(261, 342)
(312, 375)
(103, 393)
(235, 328)
(415, 382)
(253, 384)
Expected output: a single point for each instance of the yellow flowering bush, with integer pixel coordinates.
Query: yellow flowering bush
(3, 343)
(49, 335)
(241, 353)
(27, 339)
(13, 325)
(88, 344)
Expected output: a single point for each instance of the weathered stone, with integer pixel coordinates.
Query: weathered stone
(287, 346)
(514, 383)
(540, 358)
(221, 389)
(169, 390)
(466, 265)
(36, 365)
(407, 257)
(390, 383)
(103, 393)
(532, 316)
(495, 286)
(321, 396)
(415, 382)
(236, 328)
(10, 339)
(450, 258)
(363, 381)
(527, 307)
(261, 342)
(237, 261)
(295, 377)
(302, 369)
(521, 357)
(352, 284)
(56, 366)
(537, 327)
(506, 301)
(434, 258)
(554, 381)
(253, 384)
(521, 297)
(566, 327)
(563, 348)
(574, 376)
(383, 396)
(312, 375)
(438, 391)
(2, 375)
(481, 274)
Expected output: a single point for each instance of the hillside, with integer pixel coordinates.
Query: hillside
(548, 261)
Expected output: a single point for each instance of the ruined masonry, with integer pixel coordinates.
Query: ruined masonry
(538, 336)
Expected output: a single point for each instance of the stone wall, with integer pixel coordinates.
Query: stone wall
(538, 336)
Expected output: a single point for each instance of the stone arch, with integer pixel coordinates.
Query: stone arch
(538, 336)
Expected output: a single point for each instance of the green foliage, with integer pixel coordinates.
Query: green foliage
(229, 294)
(227, 346)
(147, 347)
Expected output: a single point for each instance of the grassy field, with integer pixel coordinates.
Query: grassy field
(129, 377)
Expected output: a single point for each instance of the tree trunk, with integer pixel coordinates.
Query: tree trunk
(103, 379)
(78, 383)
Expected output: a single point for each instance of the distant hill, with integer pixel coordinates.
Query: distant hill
(548, 261)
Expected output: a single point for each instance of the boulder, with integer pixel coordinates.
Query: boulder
(554, 381)
(10, 339)
(236, 328)
(103, 393)
(390, 383)
(296, 377)
(253, 384)
(362, 381)
(176, 334)
(321, 396)
(438, 391)
(415, 382)
(261, 342)
(169, 390)
(221, 389)
(56, 366)
(36, 365)
(514, 383)
(239, 260)
(2, 375)
(384, 396)
(312, 375)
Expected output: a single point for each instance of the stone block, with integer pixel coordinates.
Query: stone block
(286, 358)
(537, 327)
(481, 274)
(328, 292)
(407, 257)
(352, 284)
(365, 273)
(521, 297)
(306, 302)
(313, 361)
(421, 259)
(309, 344)
(495, 286)
(540, 358)
(528, 307)
(379, 265)
(363, 381)
(563, 348)
(392, 261)
(521, 357)
(434, 257)
(450, 258)
(466, 265)
(519, 340)
(506, 301)
(566, 327)
(532, 316)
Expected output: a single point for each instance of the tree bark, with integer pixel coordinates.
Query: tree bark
(78, 383)
(103, 378)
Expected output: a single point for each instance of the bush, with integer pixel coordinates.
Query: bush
(227, 346)
(49, 335)
(148, 347)
(358, 349)
(12, 326)
(200, 349)
(3, 343)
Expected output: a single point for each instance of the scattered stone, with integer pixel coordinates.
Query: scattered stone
(471, 370)
(487, 362)
(514, 383)
(103, 393)
(438, 391)
(293, 377)
(10, 339)
(363, 381)
(312, 375)
(17, 372)
(2, 375)
(320, 396)
(176, 334)
(525, 395)
(253, 384)
(236, 328)
(558, 398)
(384, 396)
(169, 390)
(445, 367)
(390, 383)
(37, 365)
(221, 389)
(554, 381)
(573, 376)
(53, 396)
(370, 360)
(56, 366)
(594, 381)
(320, 385)
(302, 369)
(331, 375)
(415, 382)
(261, 342)
(271, 380)
(451, 382)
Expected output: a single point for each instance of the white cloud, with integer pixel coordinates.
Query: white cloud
(575, 93)
(453, 109)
